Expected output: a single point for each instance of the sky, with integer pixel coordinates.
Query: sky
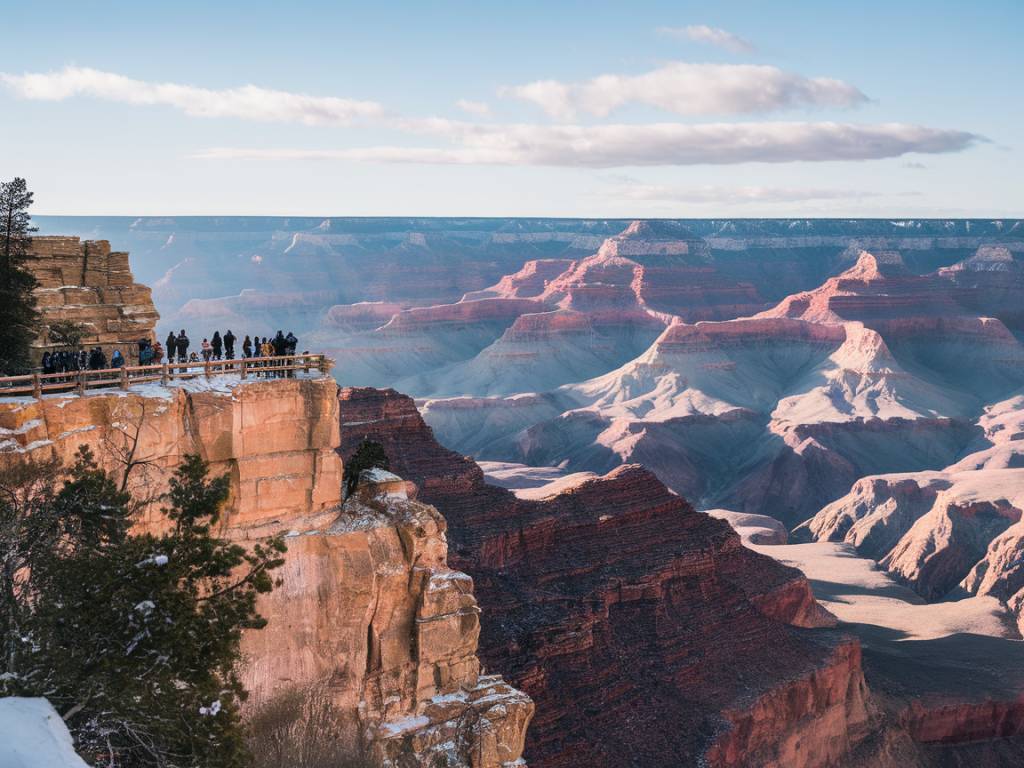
(574, 109)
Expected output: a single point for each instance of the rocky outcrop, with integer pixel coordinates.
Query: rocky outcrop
(273, 439)
(644, 631)
(88, 284)
(368, 614)
(943, 533)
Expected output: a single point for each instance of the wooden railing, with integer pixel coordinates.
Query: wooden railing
(38, 384)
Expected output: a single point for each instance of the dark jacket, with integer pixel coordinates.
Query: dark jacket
(216, 343)
(229, 341)
(181, 341)
(247, 347)
(292, 343)
(279, 344)
(171, 342)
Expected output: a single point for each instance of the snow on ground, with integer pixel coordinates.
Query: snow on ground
(531, 482)
(859, 593)
(223, 383)
(32, 735)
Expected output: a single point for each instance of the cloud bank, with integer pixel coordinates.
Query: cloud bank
(248, 102)
(711, 194)
(701, 33)
(659, 144)
(690, 89)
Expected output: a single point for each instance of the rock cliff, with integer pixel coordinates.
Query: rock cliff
(87, 283)
(369, 614)
(645, 632)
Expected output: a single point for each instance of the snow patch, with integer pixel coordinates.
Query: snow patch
(32, 735)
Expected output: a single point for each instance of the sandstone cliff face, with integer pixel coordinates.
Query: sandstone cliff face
(645, 632)
(86, 283)
(274, 439)
(369, 613)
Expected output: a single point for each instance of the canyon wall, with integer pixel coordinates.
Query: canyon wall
(645, 632)
(369, 615)
(86, 283)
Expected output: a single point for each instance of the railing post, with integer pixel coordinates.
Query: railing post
(242, 373)
(81, 382)
(37, 386)
(206, 368)
(124, 377)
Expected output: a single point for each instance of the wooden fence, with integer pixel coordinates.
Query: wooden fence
(38, 384)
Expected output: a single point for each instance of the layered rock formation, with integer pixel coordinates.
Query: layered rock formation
(876, 370)
(945, 533)
(572, 319)
(433, 261)
(273, 439)
(88, 284)
(368, 615)
(643, 630)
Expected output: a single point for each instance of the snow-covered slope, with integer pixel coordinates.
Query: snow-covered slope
(32, 735)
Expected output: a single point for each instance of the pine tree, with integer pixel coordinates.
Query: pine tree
(18, 315)
(368, 455)
(135, 638)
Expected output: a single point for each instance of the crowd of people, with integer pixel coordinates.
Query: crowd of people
(176, 350)
(68, 361)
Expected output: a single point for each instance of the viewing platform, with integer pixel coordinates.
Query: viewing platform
(81, 381)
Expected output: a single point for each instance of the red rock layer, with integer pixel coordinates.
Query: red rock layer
(645, 632)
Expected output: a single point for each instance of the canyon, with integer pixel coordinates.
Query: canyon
(723, 493)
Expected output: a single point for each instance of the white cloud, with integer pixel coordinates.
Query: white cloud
(702, 33)
(631, 190)
(690, 89)
(479, 108)
(659, 144)
(248, 102)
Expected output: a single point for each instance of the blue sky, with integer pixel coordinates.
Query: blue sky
(533, 109)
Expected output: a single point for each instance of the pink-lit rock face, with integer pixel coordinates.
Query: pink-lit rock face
(529, 282)
(599, 312)
(877, 370)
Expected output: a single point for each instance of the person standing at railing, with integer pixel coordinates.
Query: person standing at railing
(117, 359)
(291, 342)
(247, 347)
(217, 345)
(280, 345)
(80, 362)
(171, 344)
(267, 350)
(229, 345)
(181, 342)
(158, 353)
(207, 350)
